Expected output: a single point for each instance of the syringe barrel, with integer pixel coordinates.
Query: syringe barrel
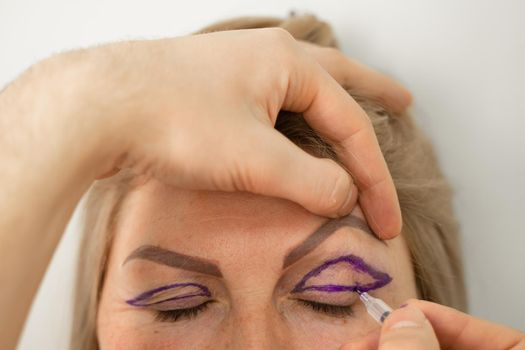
(377, 308)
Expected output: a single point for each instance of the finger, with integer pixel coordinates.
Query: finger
(277, 167)
(362, 80)
(457, 330)
(337, 117)
(407, 329)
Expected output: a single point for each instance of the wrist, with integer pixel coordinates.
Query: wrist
(64, 119)
(47, 152)
(55, 144)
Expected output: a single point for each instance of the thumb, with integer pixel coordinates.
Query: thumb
(407, 329)
(282, 169)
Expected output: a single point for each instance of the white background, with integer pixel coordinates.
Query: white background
(462, 59)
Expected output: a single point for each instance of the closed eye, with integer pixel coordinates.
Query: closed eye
(339, 311)
(181, 314)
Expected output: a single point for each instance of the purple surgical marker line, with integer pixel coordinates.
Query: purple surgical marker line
(381, 279)
(147, 295)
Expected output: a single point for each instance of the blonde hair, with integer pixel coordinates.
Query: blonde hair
(429, 225)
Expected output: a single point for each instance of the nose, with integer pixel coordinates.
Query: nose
(259, 329)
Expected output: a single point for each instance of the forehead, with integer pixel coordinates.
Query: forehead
(162, 215)
(211, 224)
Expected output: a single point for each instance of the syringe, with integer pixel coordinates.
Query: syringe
(376, 307)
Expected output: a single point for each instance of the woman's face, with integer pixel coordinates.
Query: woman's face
(209, 270)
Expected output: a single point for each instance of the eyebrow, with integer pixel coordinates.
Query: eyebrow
(322, 233)
(173, 259)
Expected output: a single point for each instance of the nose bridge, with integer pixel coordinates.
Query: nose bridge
(258, 329)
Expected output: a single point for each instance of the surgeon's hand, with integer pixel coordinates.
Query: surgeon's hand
(424, 325)
(198, 112)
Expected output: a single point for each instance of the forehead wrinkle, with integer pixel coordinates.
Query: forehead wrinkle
(322, 233)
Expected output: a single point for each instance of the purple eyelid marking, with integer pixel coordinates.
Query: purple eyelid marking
(381, 279)
(139, 301)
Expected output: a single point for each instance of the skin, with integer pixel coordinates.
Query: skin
(140, 105)
(248, 237)
(85, 114)
(424, 325)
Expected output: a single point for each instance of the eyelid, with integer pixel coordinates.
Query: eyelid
(175, 315)
(179, 304)
(171, 292)
(380, 279)
(339, 299)
(333, 310)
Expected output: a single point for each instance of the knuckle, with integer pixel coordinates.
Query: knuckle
(277, 38)
(333, 53)
(282, 40)
(279, 34)
(283, 47)
(334, 58)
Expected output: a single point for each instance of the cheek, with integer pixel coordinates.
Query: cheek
(115, 337)
(315, 331)
(118, 334)
(293, 329)
(132, 329)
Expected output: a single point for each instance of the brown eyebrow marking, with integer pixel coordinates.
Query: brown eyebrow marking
(173, 259)
(322, 233)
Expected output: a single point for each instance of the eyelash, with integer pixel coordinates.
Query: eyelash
(192, 312)
(328, 309)
(180, 314)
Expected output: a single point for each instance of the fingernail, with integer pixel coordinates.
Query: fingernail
(404, 324)
(406, 317)
(404, 305)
